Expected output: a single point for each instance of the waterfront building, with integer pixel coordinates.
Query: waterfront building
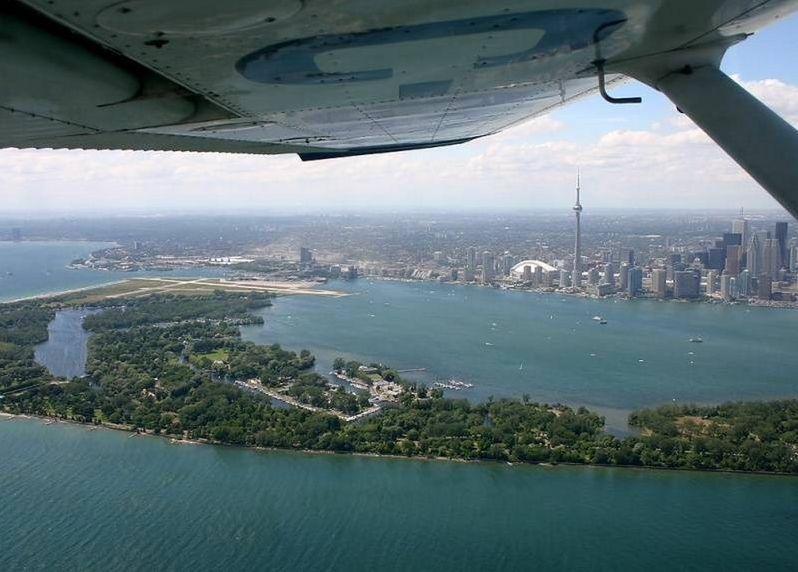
(508, 261)
(781, 238)
(685, 284)
(548, 278)
(794, 259)
(577, 273)
(659, 285)
(527, 274)
(764, 286)
(565, 278)
(471, 258)
(601, 289)
(468, 275)
(712, 280)
(733, 254)
(744, 284)
(488, 267)
(609, 274)
(635, 281)
(305, 256)
(623, 276)
(726, 287)
(537, 278)
(593, 276)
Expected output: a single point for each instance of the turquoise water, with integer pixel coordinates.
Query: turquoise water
(548, 346)
(73, 499)
(35, 268)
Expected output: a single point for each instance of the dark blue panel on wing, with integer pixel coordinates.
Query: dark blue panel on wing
(293, 62)
(424, 89)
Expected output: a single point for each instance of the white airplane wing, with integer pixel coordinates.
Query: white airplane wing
(330, 79)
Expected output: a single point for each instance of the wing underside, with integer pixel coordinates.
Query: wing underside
(321, 79)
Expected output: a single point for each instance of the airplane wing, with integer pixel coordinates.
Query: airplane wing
(331, 79)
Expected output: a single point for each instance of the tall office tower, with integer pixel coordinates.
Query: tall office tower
(781, 237)
(716, 257)
(565, 278)
(726, 286)
(508, 261)
(593, 276)
(609, 274)
(771, 261)
(537, 277)
(577, 274)
(794, 259)
(754, 258)
(623, 276)
(730, 238)
(548, 278)
(712, 279)
(764, 287)
(626, 255)
(744, 284)
(488, 267)
(685, 284)
(740, 226)
(471, 258)
(733, 252)
(527, 274)
(634, 283)
(305, 256)
(659, 282)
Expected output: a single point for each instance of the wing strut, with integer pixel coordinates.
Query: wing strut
(758, 139)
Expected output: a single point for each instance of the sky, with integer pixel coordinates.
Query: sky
(631, 156)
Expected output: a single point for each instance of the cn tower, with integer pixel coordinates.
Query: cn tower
(576, 279)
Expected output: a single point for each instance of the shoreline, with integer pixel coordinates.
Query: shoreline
(5, 416)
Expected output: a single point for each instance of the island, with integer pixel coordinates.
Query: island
(174, 364)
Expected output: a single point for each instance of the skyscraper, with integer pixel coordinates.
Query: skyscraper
(772, 258)
(744, 283)
(712, 278)
(658, 282)
(685, 284)
(764, 289)
(740, 226)
(488, 266)
(754, 259)
(577, 273)
(781, 237)
(733, 252)
(794, 259)
(623, 276)
(471, 258)
(609, 274)
(565, 278)
(634, 283)
(726, 287)
(593, 276)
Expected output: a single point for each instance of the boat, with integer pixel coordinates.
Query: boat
(696, 340)
(597, 318)
(603, 322)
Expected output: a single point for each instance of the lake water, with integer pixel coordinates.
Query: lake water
(65, 351)
(35, 268)
(510, 343)
(73, 499)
